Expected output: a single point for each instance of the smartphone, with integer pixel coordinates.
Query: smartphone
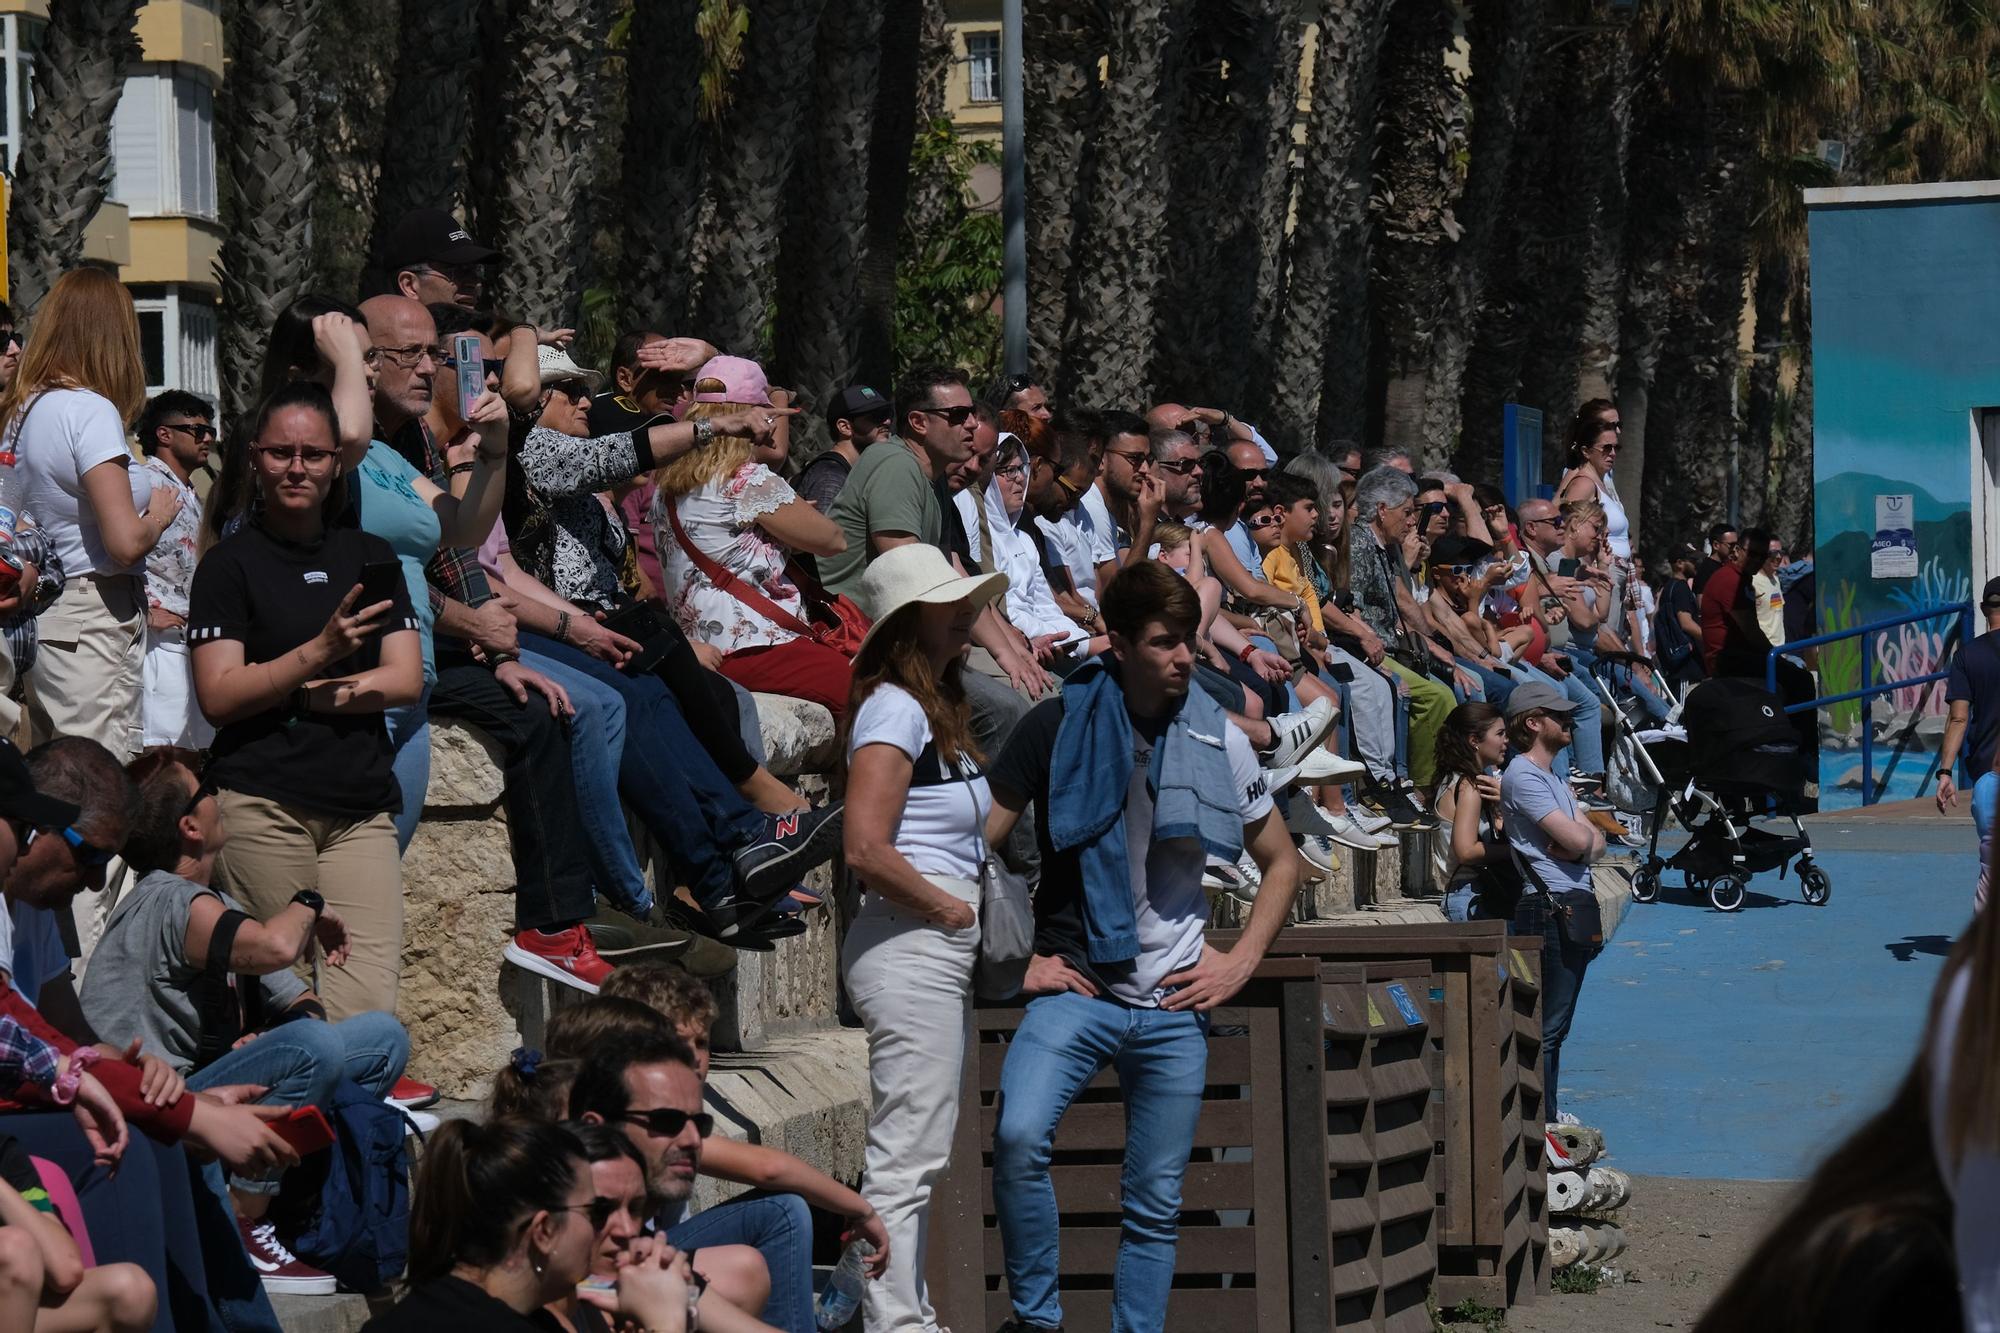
(379, 580)
(471, 372)
(305, 1129)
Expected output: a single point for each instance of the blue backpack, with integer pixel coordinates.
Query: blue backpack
(346, 1211)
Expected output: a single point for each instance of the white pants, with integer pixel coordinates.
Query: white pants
(911, 983)
(171, 716)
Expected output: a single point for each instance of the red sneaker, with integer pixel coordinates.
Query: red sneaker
(281, 1270)
(410, 1094)
(567, 956)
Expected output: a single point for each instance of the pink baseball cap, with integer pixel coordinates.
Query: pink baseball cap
(743, 382)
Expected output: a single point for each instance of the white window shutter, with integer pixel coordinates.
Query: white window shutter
(139, 130)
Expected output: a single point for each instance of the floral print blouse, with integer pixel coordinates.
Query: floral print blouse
(720, 518)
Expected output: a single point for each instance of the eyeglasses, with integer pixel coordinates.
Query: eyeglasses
(667, 1122)
(199, 432)
(1180, 467)
(493, 365)
(953, 416)
(1557, 522)
(1011, 470)
(1136, 457)
(87, 855)
(283, 455)
(576, 391)
(406, 358)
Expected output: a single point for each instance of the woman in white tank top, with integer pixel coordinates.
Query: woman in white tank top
(1593, 449)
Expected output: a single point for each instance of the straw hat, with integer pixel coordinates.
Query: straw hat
(555, 365)
(915, 573)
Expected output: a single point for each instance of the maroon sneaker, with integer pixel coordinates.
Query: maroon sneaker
(281, 1270)
(411, 1095)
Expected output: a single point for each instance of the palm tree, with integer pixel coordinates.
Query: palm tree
(889, 146)
(1230, 187)
(1061, 45)
(761, 132)
(429, 115)
(664, 164)
(269, 134)
(1317, 383)
(64, 171)
(819, 274)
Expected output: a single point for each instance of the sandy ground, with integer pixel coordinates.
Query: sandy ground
(1687, 1238)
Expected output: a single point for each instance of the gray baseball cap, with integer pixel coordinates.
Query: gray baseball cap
(1537, 694)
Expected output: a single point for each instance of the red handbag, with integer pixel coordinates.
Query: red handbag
(833, 621)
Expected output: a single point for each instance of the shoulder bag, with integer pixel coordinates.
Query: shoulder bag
(832, 620)
(1006, 922)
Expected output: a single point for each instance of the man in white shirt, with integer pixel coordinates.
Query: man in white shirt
(175, 433)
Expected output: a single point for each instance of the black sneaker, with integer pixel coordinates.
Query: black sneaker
(1399, 804)
(766, 870)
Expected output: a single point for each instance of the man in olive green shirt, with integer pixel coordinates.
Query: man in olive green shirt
(889, 499)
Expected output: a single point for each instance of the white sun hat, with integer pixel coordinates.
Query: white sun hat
(915, 573)
(555, 364)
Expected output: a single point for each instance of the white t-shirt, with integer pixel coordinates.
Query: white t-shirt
(1093, 520)
(67, 433)
(1073, 547)
(942, 830)
(1168, 903)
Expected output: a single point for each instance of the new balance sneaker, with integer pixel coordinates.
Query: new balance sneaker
(1252, 877)
(1241, 879)
(1296, 735)
(410, 1094)
(1318, 853)
(281, 1271)
(568, 956)
(766, 870)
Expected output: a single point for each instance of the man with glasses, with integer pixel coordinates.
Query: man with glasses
(1557, 600)
(1118, 513)
(1021, 393)
(1210, 428)
(1724, 548)
(1176, 461)
(431, 258)
(175, 435)
(1385, 599)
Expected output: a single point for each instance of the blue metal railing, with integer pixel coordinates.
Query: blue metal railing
(1869, 688)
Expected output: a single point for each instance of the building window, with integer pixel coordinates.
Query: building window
(20, 38)
(163, 146)
(982, 60)
(177, 332)
(153, 343)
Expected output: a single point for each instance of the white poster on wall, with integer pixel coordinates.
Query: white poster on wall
(1893, 554)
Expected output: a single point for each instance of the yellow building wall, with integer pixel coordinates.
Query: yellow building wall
(175, 32)
(181, 251)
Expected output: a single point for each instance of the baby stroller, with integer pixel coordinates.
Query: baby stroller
(1740, 758)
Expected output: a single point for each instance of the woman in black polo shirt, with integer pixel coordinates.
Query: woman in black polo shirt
(296, 674)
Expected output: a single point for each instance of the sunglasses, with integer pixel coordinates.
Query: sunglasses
(87, 855)
(1434, 507)
(953, 416)
(203, 790)
(13, 338)
(1136, 457)
(1016, 383)
(667, 1123)
(199, 432)
(601, 1210)
(1264, 521)
(1180, 467)
(493, 365)
(1557, 522)
(576, 391)
(1611, 423)
(283, 454)
(1254, 473)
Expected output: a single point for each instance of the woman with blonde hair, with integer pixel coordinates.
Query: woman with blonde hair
(917, 802)
(726, 527)
(80, 381)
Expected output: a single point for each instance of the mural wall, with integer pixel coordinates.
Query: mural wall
(1904, 293)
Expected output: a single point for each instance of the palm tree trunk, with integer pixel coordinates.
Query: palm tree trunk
(64, 171)
(1114, 286)
(1772, 293)
(1790, 511)
(1318, 382)
(269, 134)
(1423, 128)
(889, 146)
(819, 276)
(1608, 69)
(761, 131)
(428, 118)
(1060, 47)
(664, 161)
(1504, 33)
(554, 73)
(1231, 185)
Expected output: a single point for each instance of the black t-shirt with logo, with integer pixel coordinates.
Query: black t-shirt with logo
(273, 595)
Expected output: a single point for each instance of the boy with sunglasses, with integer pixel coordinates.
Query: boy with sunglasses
(175, 434)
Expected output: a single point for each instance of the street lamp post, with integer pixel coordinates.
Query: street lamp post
(1013, 194)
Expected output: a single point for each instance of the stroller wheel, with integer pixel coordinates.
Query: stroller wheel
(1814, 884)
(1726, 892)
(1645, 884)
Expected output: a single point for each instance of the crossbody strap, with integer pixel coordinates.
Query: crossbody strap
(730, 583)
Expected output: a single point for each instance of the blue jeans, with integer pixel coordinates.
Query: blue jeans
(1563, 966)
(779, 1227)
(1495, 686)
(410, 734)
(1162, 1061)
(1985, 800)
(303, 1061)
(596, 749)
(666, 775)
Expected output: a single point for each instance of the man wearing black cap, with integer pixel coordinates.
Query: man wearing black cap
(857, 417)
(1973, 691)
(431, 258)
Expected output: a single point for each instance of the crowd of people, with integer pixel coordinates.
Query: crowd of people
(1125, 653)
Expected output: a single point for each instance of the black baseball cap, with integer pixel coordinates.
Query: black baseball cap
(20, 800)
(1455, 550)
(433, 236)
(856, 400)
(1990, 597)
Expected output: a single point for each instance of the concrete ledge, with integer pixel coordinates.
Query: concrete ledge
(806, 1094)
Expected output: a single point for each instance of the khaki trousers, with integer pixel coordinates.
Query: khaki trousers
(274, 850)
(85, 681)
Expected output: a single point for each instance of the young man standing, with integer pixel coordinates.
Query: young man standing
(1973, 693)
(1135, 777)
(175, 432)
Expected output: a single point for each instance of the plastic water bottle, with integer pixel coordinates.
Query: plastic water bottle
(842, 1296)
(10, 509)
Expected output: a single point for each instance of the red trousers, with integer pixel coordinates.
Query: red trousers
(803, 669)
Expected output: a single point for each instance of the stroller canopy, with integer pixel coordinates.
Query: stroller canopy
(1739, 735)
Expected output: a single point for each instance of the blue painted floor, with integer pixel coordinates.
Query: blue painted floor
(1745, 1046)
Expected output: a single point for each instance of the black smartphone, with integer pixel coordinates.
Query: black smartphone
(379, 581)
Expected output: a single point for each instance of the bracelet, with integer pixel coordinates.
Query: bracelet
(63, 1091)
(457, 468)
(704, 431)
(1245, 651)
(562, 627)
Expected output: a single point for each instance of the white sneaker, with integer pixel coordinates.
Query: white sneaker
(1304, 816)
(1369, 820)
(1298, 734)
(1323, 765)
(1252, 877)
(1318, 853)
(1219, 876)
(1345, 829)
(1276, 780)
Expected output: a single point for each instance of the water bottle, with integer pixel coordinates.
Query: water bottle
(10, 510)
(842, 1296)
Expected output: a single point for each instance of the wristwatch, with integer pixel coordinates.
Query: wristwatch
(311, 899)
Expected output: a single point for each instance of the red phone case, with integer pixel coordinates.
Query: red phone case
(305, 1129)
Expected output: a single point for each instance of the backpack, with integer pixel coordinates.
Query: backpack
(347, 1210)
(1672, 645)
